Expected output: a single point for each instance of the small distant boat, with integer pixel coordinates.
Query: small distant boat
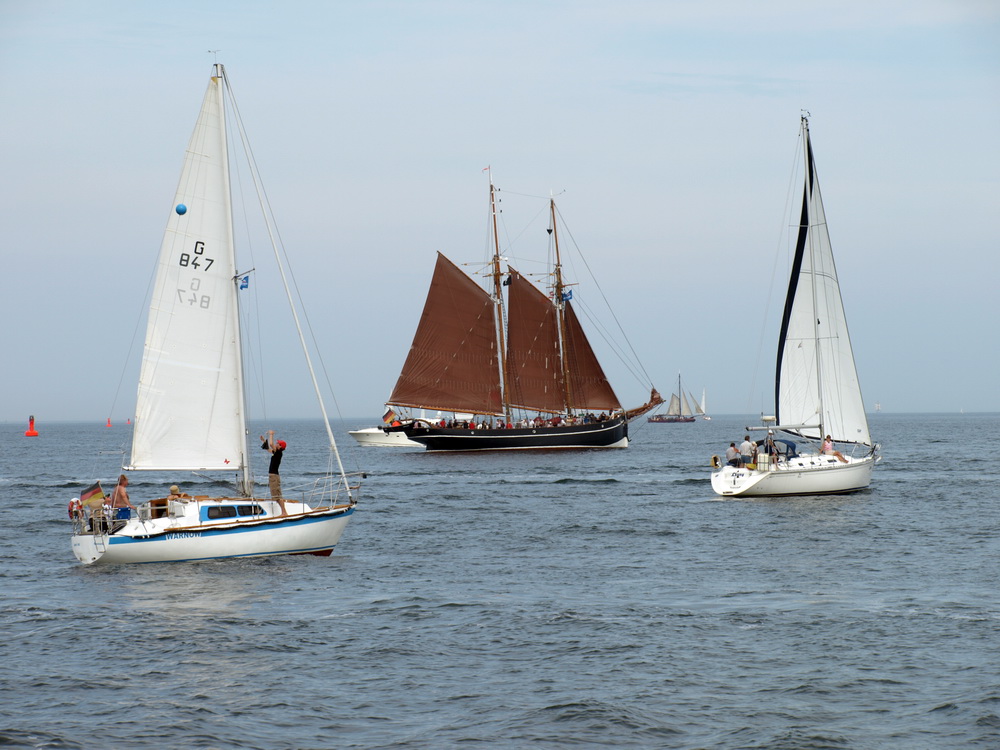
(191, 403)
(680, 408)
(817, 392)
(510, 364)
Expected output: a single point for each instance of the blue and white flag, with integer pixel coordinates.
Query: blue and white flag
(245, 282)
(567, 296)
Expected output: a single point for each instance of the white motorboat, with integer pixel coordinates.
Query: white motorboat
(382, 438)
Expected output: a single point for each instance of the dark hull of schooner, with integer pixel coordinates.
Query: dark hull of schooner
(612, 433)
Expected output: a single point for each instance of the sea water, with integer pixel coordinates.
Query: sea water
(525, 599)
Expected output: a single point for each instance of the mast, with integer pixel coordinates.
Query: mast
(246, 471)
(810, 179)
(498, 297)
(560, 310)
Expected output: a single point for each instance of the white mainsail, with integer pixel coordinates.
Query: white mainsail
(817, 381)
(190, 408)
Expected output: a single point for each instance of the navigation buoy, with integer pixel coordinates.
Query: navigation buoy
(181, 209)
(109, 421)
(31, 432)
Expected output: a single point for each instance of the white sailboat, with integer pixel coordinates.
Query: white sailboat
(191, 404)
(817, 392)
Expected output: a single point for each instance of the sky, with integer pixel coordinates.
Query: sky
(668, 130)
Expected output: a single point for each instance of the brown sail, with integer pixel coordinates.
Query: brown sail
(589, 389)
(533, 367)
(452, 364)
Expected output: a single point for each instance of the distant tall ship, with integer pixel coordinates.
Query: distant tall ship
(680, 408)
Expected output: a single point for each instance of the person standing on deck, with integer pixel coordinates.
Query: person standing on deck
(119, 499)
(277, 450)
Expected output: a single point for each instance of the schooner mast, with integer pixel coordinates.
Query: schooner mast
(560, 308)
(501, 317)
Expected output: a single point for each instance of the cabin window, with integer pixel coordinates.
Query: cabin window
(222, 511)
(250, 510)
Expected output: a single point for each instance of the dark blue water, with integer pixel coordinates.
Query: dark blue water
(584, 599)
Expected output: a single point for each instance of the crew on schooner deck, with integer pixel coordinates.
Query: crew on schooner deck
(498, 423)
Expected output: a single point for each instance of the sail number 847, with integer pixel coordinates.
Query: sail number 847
(197, 259)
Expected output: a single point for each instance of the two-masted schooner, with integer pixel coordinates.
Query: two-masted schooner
(510, 373)
(681, 408)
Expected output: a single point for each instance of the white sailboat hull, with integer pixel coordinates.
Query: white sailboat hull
(376, 436)
(184, 539)
(802, 475)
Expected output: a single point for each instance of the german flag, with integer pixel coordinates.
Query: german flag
(389, 415)
(93, 495)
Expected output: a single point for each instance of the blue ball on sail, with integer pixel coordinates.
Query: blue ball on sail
(181, 209)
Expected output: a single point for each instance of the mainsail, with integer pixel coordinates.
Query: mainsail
(542, 375)
(533, 362)
(816, 380)
(589, 389)
(452, 364)
(189, 410)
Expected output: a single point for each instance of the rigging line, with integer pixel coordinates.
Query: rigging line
(530, 195)
(253, 355)
(507, 245)
(783, 236)
(312, 335)
(135, 332)
(279, 250)
(638, 363)
(614, 345)
(530, 223)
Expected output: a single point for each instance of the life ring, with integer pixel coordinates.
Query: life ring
(74, 508)
(715, 462)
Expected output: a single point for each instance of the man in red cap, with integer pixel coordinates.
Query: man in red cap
(277, 450)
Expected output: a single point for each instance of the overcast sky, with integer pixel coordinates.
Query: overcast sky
(669, 130)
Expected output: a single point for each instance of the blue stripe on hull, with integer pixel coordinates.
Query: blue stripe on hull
(208, 531)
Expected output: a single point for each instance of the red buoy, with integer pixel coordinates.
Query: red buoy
(109, 421)
(31, 432)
